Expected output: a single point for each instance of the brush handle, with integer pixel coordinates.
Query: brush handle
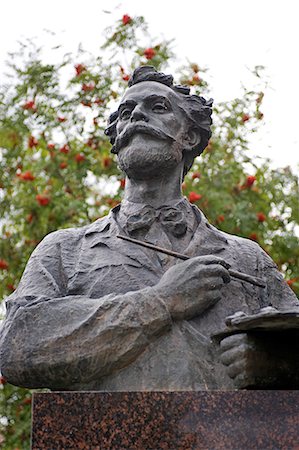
(233, 273)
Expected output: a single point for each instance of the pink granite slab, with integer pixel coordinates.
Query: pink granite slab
(228, 420)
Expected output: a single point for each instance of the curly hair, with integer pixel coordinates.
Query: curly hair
(197, 110)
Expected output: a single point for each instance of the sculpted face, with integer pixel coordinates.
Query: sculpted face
(151, 130)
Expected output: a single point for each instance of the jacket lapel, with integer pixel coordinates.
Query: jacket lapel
(207, 240)
(104, 232)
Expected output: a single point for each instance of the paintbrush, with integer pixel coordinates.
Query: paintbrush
(233, 273)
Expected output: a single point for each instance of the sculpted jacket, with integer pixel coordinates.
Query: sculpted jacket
(85, 316)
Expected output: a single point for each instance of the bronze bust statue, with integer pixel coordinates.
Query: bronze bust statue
(96, 312)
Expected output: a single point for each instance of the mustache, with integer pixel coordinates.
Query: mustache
(124, 138)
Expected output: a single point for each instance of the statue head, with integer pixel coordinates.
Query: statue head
(170, 122)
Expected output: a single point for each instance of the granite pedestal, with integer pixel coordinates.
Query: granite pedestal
(228, 420)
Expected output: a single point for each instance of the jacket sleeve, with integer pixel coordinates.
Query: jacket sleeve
(277, 294)
(51, 339)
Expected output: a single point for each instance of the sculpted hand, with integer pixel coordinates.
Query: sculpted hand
(239, 355)
(262, 360)
(250, 362)
(189, 287)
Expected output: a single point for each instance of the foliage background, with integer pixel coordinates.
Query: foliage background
(56, 170)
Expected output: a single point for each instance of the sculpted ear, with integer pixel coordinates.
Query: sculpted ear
(192, 138)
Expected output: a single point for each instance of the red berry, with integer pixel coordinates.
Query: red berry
(196, 79)
(27, 176)
(88, 87)
(3, 264)
(194, 197)
(50, 146)
(65, 149)
(260, 98)
(32, 142)
(84, 103)
(61, 119)
(126, 19)
(90, 143)
(3, 380)
(209, 147)
(126, 77)
(63, 165)
(291, 281)
(221, 218)
(261, 217)
(12, 288)
(122, 183)
(43, 200)
(149, 53)
(79, 157)
(30, 105)
(253, 236)
(107, 161)
(29, 218)
(250, 180)
(245, 117)
(195, 175)
(195, 68)
(112, 202)
(79, 69)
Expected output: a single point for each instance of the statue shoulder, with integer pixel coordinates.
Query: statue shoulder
(65, 235)
(243, 243)
(242, 249)
(69, 237)
(245, 246)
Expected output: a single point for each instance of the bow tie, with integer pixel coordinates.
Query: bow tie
(170, 217)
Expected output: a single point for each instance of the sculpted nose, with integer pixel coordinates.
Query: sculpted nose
(139, 115)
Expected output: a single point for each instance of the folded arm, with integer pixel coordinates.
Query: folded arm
(54, 340)
(63, 341)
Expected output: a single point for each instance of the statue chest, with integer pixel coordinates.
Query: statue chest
(103, 269)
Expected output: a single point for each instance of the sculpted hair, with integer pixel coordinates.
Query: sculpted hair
(197, 110)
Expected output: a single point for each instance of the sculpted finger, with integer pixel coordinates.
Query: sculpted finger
(231, 356)
(237, 369)
(233, 341)
(215, 270)
(243, 380)
(211, 259)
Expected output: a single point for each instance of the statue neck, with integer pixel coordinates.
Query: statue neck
(156, 192)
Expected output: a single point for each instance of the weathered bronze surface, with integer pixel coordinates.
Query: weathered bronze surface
(94, 312)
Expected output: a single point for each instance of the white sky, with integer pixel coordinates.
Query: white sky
(227, 36)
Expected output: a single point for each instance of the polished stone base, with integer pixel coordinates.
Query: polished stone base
(228, 420)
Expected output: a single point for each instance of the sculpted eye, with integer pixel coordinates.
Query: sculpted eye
(160, 107)
(125, 114)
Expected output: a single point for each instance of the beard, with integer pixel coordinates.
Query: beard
(147, 157)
